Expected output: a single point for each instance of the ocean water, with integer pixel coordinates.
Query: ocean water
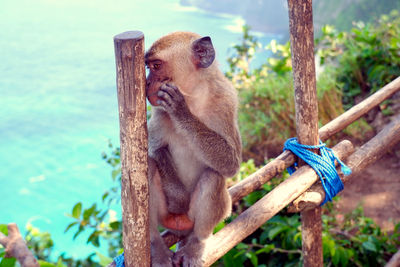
(58, 103)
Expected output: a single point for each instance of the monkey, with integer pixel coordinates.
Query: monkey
(194, 144)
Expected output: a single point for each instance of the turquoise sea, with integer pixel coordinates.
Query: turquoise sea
(58, 103)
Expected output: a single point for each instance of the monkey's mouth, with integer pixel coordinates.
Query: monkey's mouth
(152, 97)
(151, 94)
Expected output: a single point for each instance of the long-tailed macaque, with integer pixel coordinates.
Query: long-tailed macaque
(194, 144)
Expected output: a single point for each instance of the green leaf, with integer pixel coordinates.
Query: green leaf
(8, 262)
(368, 245)
(230, 260)
(219, 226)
(94, 238)
(253, 258)
(263, 237)
(241, 246)
(277, 219)
(78, 232)
(265, 249)
(115, 225)
(105, 195)
(115, 173)
(344, 256)
(45, 264)
(60, 263)
(88, 212)
(336, 258)
(276, 231)
(253, 197)
(69, 226)
(104, 260)
(3, 229)
(76, 210)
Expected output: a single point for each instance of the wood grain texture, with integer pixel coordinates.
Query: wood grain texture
(306, 105)
(131, 81)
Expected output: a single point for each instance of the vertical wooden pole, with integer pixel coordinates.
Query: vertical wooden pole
(302, 45)
(131, 81)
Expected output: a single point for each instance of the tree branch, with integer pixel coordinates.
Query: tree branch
(16, 247)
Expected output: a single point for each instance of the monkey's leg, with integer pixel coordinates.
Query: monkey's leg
(177, 198)
(210, 203)
(161, 256)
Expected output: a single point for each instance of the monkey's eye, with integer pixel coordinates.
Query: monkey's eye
(156, 66)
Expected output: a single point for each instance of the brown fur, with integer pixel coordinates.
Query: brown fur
(194, 143)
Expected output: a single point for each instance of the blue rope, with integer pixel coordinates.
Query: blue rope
(119, 261)
(323, 165)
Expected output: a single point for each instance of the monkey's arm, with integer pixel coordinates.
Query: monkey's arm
(218, 152)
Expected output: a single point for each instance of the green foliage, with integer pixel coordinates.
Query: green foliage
(100, 219)
(367, 58)
(266, 112)
(353, 239)
(239, 63)
(41, 245)
(349, 11)
(352, 66)
(39, 242)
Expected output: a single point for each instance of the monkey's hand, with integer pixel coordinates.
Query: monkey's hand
(172, 100)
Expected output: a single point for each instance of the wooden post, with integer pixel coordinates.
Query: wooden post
(131, 82)
(302, 46)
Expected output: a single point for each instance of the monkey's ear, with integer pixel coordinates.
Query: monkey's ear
(203, 51)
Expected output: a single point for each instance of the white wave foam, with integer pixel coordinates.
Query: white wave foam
(24, 191)
(36, 179)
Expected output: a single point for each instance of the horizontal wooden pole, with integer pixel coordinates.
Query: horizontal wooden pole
(358, 161)
(357, 111)
(256, 180)
(394, 261)
(264, 209)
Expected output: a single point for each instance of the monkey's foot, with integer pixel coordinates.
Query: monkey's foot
(184, 259)
(178, 222)
(190, 254)
(161, 256)
(169, 264)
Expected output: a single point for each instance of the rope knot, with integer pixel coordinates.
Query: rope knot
(119, 261)
(323, 164)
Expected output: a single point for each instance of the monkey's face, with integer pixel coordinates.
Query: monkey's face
(179, 58)
(156, 77)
